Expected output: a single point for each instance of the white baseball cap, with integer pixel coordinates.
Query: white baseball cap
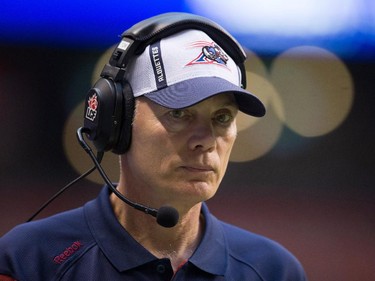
(186, 68)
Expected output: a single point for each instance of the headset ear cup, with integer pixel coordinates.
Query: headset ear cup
(99, 108)
(125, 134)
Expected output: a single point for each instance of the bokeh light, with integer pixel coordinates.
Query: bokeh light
(256, 136)
(315, 87)
(258, 139)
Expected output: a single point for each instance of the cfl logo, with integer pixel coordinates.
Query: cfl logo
(92, 106)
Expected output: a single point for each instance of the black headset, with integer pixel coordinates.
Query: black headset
(109, 105)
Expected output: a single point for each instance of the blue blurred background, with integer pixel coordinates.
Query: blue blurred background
(303, 176)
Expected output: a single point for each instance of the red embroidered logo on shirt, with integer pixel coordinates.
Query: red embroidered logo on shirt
(59, 259)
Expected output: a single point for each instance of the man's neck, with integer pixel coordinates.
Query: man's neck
(177, 243)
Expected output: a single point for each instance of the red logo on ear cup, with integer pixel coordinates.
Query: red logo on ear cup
(91, 110)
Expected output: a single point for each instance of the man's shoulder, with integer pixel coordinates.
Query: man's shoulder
(262, 254)
(51, 227)
(240, 240)
(43, 243)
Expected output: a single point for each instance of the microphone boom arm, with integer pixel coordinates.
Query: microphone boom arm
(147, 210)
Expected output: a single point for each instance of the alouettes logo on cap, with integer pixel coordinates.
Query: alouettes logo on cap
(211, 54)
(92, 106)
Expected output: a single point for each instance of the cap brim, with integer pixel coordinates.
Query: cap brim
(189, 92)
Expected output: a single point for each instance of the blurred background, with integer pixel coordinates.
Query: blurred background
(303, 175)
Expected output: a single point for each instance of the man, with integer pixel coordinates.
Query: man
(187, 92)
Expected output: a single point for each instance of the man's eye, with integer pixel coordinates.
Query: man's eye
(224, 118)
(177, 113)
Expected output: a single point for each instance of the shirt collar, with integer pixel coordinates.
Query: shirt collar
(121, 249)
(211, 254)
(124, 252)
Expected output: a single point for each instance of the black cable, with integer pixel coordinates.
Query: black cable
(57, 194)
(96, 159)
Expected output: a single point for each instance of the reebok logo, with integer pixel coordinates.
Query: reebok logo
(59, 259)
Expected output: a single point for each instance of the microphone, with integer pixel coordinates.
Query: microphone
(166, 216)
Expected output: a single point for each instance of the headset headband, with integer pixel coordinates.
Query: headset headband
(142, 34)
(109, 106)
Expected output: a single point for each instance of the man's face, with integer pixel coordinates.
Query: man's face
(180, 156)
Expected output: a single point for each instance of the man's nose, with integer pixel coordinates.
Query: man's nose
(202, 136)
